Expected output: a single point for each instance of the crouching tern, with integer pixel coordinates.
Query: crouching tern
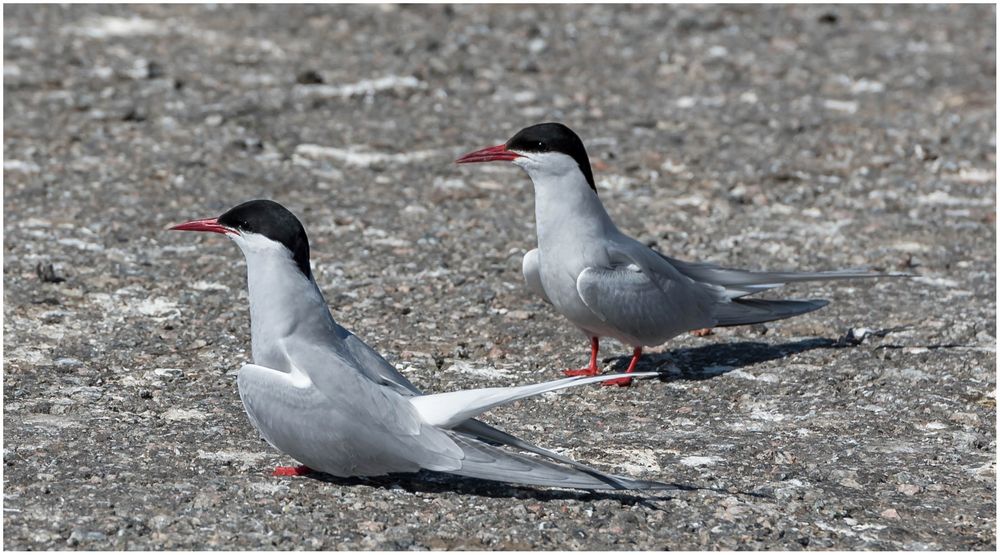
(610, 285)
(322, 396)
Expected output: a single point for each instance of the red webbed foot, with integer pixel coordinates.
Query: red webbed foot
(591, 370)
(626, 382)
(300, 470)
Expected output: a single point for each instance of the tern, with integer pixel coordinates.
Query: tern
(319, 394)
(610, 285)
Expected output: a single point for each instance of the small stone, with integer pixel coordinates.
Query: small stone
(309, 77)
(908, 489)
(520, 314)
(134, 114)
(829, 18)
(890, 514)
(154, 70)
(159, 522)
(47, 273)
(850, 483)
(964, 418)
(79, 535)
(855, 336)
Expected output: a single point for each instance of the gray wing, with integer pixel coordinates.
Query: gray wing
(346, 436)
(472, 427)
(355, 399)
(739, 312)
(489, 463)
(376, 366)
(529, 268)
(485, 432)
(644, 297)
(739, 283)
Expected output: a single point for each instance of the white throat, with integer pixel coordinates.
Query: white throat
(283, 301)
(566, 207)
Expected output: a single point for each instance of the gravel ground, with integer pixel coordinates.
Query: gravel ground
(794, 137)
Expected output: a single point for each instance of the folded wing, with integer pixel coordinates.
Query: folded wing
(373, 364)
(644, 297)
(346, 435)
(489, 463)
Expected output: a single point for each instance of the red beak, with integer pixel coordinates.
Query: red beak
(207, 224)
(489, 154)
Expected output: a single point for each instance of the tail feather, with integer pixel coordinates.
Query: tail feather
(490, 463)
(740, 312)
(448, 410)
(739, 283)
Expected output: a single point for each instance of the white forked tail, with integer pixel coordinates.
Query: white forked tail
(448, 410)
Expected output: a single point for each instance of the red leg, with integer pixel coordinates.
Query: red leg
(300, 470)
(625, 382)
(592, 370)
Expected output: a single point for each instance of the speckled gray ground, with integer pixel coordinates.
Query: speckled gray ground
(796, 137)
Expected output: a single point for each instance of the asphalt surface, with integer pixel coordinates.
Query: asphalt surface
(764, 137)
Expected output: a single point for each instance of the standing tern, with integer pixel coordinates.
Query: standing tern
(319, 394)
(610, 285)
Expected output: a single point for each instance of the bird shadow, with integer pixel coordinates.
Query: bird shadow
(709, 361)
(427, 481)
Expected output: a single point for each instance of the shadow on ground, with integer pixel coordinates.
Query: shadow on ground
(709, 361)
(438, 482)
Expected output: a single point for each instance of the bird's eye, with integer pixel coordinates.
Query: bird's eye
(540, 144)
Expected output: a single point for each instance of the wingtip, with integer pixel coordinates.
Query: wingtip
(877, 274)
